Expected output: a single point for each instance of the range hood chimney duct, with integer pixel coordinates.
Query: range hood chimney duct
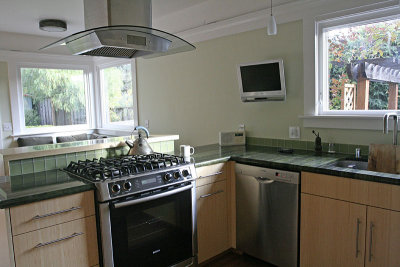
(121, 28)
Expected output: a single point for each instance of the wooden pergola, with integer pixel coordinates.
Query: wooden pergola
(383, 70)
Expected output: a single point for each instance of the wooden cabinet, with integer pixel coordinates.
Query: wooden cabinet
(55, 232)
(383, 238)
(49, 212)
(332, 232)
(347, 222)
(69, 244)
(214, 229)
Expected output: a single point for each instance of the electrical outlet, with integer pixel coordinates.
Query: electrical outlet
(146, 123)
(294, 132)
(7, 127)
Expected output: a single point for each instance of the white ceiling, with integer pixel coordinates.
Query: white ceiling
(22, 16)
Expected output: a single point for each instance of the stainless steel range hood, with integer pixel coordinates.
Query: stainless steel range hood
(121, 28)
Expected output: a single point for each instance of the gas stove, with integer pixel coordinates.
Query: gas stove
(130, 175)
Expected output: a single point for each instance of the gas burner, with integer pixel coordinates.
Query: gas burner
(102, 169)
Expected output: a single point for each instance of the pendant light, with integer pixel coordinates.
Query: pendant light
(271, 26)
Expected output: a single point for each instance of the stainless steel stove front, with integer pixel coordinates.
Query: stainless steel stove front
(158, 229)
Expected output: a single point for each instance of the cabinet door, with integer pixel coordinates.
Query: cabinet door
(332, 232)
(383, 238)
(64, 245)
(212, 220)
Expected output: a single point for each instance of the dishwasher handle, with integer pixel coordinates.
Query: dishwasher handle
(263, 180)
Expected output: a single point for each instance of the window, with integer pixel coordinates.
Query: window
(53, 97)
(359, 59)
(49, 97)
(118, 96)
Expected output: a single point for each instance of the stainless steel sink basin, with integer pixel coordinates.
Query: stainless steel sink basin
(351, 164)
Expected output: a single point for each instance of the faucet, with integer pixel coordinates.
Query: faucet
(386, 122)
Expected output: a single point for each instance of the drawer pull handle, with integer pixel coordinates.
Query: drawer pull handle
(58, 240)
(211, 194)
(213, 174)
(371, 228)
(357, 235)
(55, 213)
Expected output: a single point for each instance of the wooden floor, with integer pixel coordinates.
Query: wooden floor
(231, 259)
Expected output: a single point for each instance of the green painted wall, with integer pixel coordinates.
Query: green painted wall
(196, 94)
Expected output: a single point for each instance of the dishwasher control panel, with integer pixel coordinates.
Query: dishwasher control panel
(266, 173)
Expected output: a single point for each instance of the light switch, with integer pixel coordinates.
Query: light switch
(7, 127)
(294, 132)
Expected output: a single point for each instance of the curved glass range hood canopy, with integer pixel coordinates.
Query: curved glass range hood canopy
(120, 40)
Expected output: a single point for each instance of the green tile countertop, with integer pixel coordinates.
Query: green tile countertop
(300, 160)
(21, 189)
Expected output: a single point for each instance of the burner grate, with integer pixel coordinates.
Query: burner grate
(110, 168)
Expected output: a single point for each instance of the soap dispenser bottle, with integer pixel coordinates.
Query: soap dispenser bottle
(318, 143)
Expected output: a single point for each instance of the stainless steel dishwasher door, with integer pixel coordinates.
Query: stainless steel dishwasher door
(267, 214)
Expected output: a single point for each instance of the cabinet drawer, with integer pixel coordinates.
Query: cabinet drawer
(49, 212)
(358, 191)
(212, 220)
(210, 174)
(69, 244)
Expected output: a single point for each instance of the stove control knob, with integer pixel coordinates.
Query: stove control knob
(167, 177)
(177, 175)
(127, 186)
(115, 188)
(185, 173)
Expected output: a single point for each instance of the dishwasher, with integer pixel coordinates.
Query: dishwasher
(267, 214)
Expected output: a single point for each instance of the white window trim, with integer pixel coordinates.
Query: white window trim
(323, 83)
(127, 125)
(314, 116)
(46, 61)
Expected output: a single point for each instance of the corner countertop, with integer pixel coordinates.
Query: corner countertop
(300, 160)
(21, 189)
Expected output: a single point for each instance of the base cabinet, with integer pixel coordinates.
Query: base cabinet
(213, 229)
(383, 238)
(64, 245)
(335, 231)
(59, 232)
(332, 232)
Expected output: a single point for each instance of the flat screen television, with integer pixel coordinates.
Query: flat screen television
(262, 81)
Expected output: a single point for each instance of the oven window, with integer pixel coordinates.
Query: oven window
(153, 233)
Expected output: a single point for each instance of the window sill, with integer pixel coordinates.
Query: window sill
(360, 122)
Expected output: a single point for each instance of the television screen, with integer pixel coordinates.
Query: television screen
(260, 78)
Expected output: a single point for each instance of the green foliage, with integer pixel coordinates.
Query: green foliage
(32, 117)
(64, 87)
(118, 85)
(377, 40)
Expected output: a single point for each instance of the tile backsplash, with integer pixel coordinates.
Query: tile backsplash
(305, 145)
(39, 164)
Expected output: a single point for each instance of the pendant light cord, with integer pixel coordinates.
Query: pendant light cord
(271, 7)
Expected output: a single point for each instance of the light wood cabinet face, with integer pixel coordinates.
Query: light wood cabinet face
(210, 174)
(332, 232)
(79, 251)
(212, 220)
(26, 218)
(383, 238)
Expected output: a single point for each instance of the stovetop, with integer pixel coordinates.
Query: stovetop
(127, 175)
(98, 170)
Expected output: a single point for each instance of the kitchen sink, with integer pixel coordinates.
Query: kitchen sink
(351, 164)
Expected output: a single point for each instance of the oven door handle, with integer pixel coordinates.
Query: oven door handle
(140, 200)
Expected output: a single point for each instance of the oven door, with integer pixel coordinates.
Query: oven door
(157, 230)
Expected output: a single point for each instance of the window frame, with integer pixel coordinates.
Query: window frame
(16, 96)
(321, 56)
(105, 123)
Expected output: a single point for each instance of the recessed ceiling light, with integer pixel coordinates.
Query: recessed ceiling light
(53, 25)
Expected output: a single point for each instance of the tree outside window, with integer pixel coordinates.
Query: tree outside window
(117, 86)
(363, 66)
(53, 97)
